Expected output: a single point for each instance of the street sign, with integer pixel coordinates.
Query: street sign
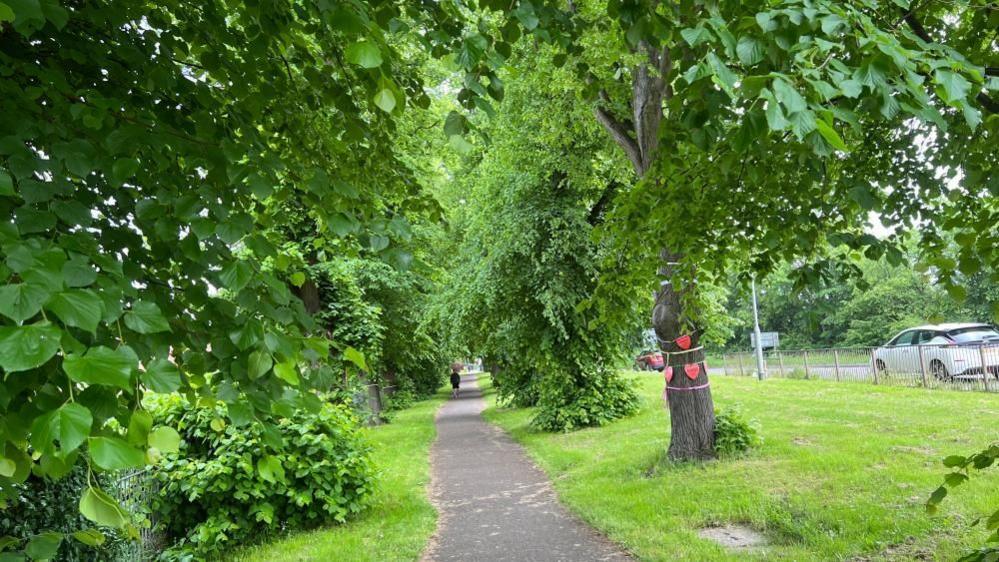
(768, 339)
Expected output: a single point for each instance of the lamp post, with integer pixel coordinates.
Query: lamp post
(760, 368)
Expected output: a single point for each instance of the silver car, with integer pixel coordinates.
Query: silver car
(942, 350)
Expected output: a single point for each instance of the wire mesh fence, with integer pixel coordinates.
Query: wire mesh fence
(134, 489)
(959, 367)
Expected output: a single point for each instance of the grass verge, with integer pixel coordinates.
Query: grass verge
(842, 474)
(400, 519)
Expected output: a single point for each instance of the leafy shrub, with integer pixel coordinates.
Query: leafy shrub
(41, 505)
(733, 433)
(564, 404)
(230, 485)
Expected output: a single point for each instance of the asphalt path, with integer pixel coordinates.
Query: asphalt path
(493, 502)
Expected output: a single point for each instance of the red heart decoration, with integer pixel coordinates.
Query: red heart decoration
(683, 342)
(668, 371)
(692, 370)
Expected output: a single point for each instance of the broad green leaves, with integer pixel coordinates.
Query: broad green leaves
(102, 365)
(364, 54)
(161, 376)
(270, 469)
(112, 453)
(165, 439)
(26, 347)
(145, 318)
(97, 506)
(81, 308)
(21, 301)
(69, 425)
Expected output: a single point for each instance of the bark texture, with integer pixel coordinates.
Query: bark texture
(692, 416)
(691, 411)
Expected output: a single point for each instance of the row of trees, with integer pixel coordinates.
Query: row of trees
(191, 183)
(862, 312)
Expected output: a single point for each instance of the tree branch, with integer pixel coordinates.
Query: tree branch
(597, 212)
(619, 133)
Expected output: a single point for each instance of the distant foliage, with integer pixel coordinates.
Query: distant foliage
(733, 433)
(233, 484)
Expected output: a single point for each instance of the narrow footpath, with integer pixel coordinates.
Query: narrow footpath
(494, 504)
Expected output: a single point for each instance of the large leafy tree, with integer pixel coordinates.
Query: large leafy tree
(527, 261)
(761, 129)
(149, 154)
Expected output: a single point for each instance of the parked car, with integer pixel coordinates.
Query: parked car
(948, 350)
(649, 360)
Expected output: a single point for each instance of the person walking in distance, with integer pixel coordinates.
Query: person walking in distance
(455, 379)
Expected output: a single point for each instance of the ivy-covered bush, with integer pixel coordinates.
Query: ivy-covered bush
(233, 484)
(42, 506)
(733, 433)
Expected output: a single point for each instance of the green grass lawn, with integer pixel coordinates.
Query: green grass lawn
(400, 520)
(842, 474)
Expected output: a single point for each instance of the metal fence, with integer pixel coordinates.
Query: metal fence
(959, 367)
(135, 490)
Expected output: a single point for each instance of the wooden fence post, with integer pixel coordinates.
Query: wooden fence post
(739, 357)
(806, 363)
(922, 367)
(985, 368)
(780, 363)
(836, 362)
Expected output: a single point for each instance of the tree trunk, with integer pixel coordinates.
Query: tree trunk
(692, 416)
(691, 411)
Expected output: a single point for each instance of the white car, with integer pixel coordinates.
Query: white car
(948, 350)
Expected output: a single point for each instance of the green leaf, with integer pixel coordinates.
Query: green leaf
(937, 496)
(851, 88)
(218, 425)
(166, 439)
(723, 75)
(749, 50)
(766, 21)
(145, 318)
(297, 279)
(270, 469)
(364, 54)
(161, 376)
(236, 275)
(22, 301)
(455, 124)
(44, 546)
(139, 424)
(954, 461)
(70, 425)
(952, 86)
(81, 308)
(385, 100)
(101, 365)
(7, 467)
(97, 506)
(6, 183)
(112, 453)
(78, 272)
(789, 96)
(258, 364)
(27, 347)
(355, 357)
(90, 537)
(694, 36)
(287, 372)
(831, 136)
